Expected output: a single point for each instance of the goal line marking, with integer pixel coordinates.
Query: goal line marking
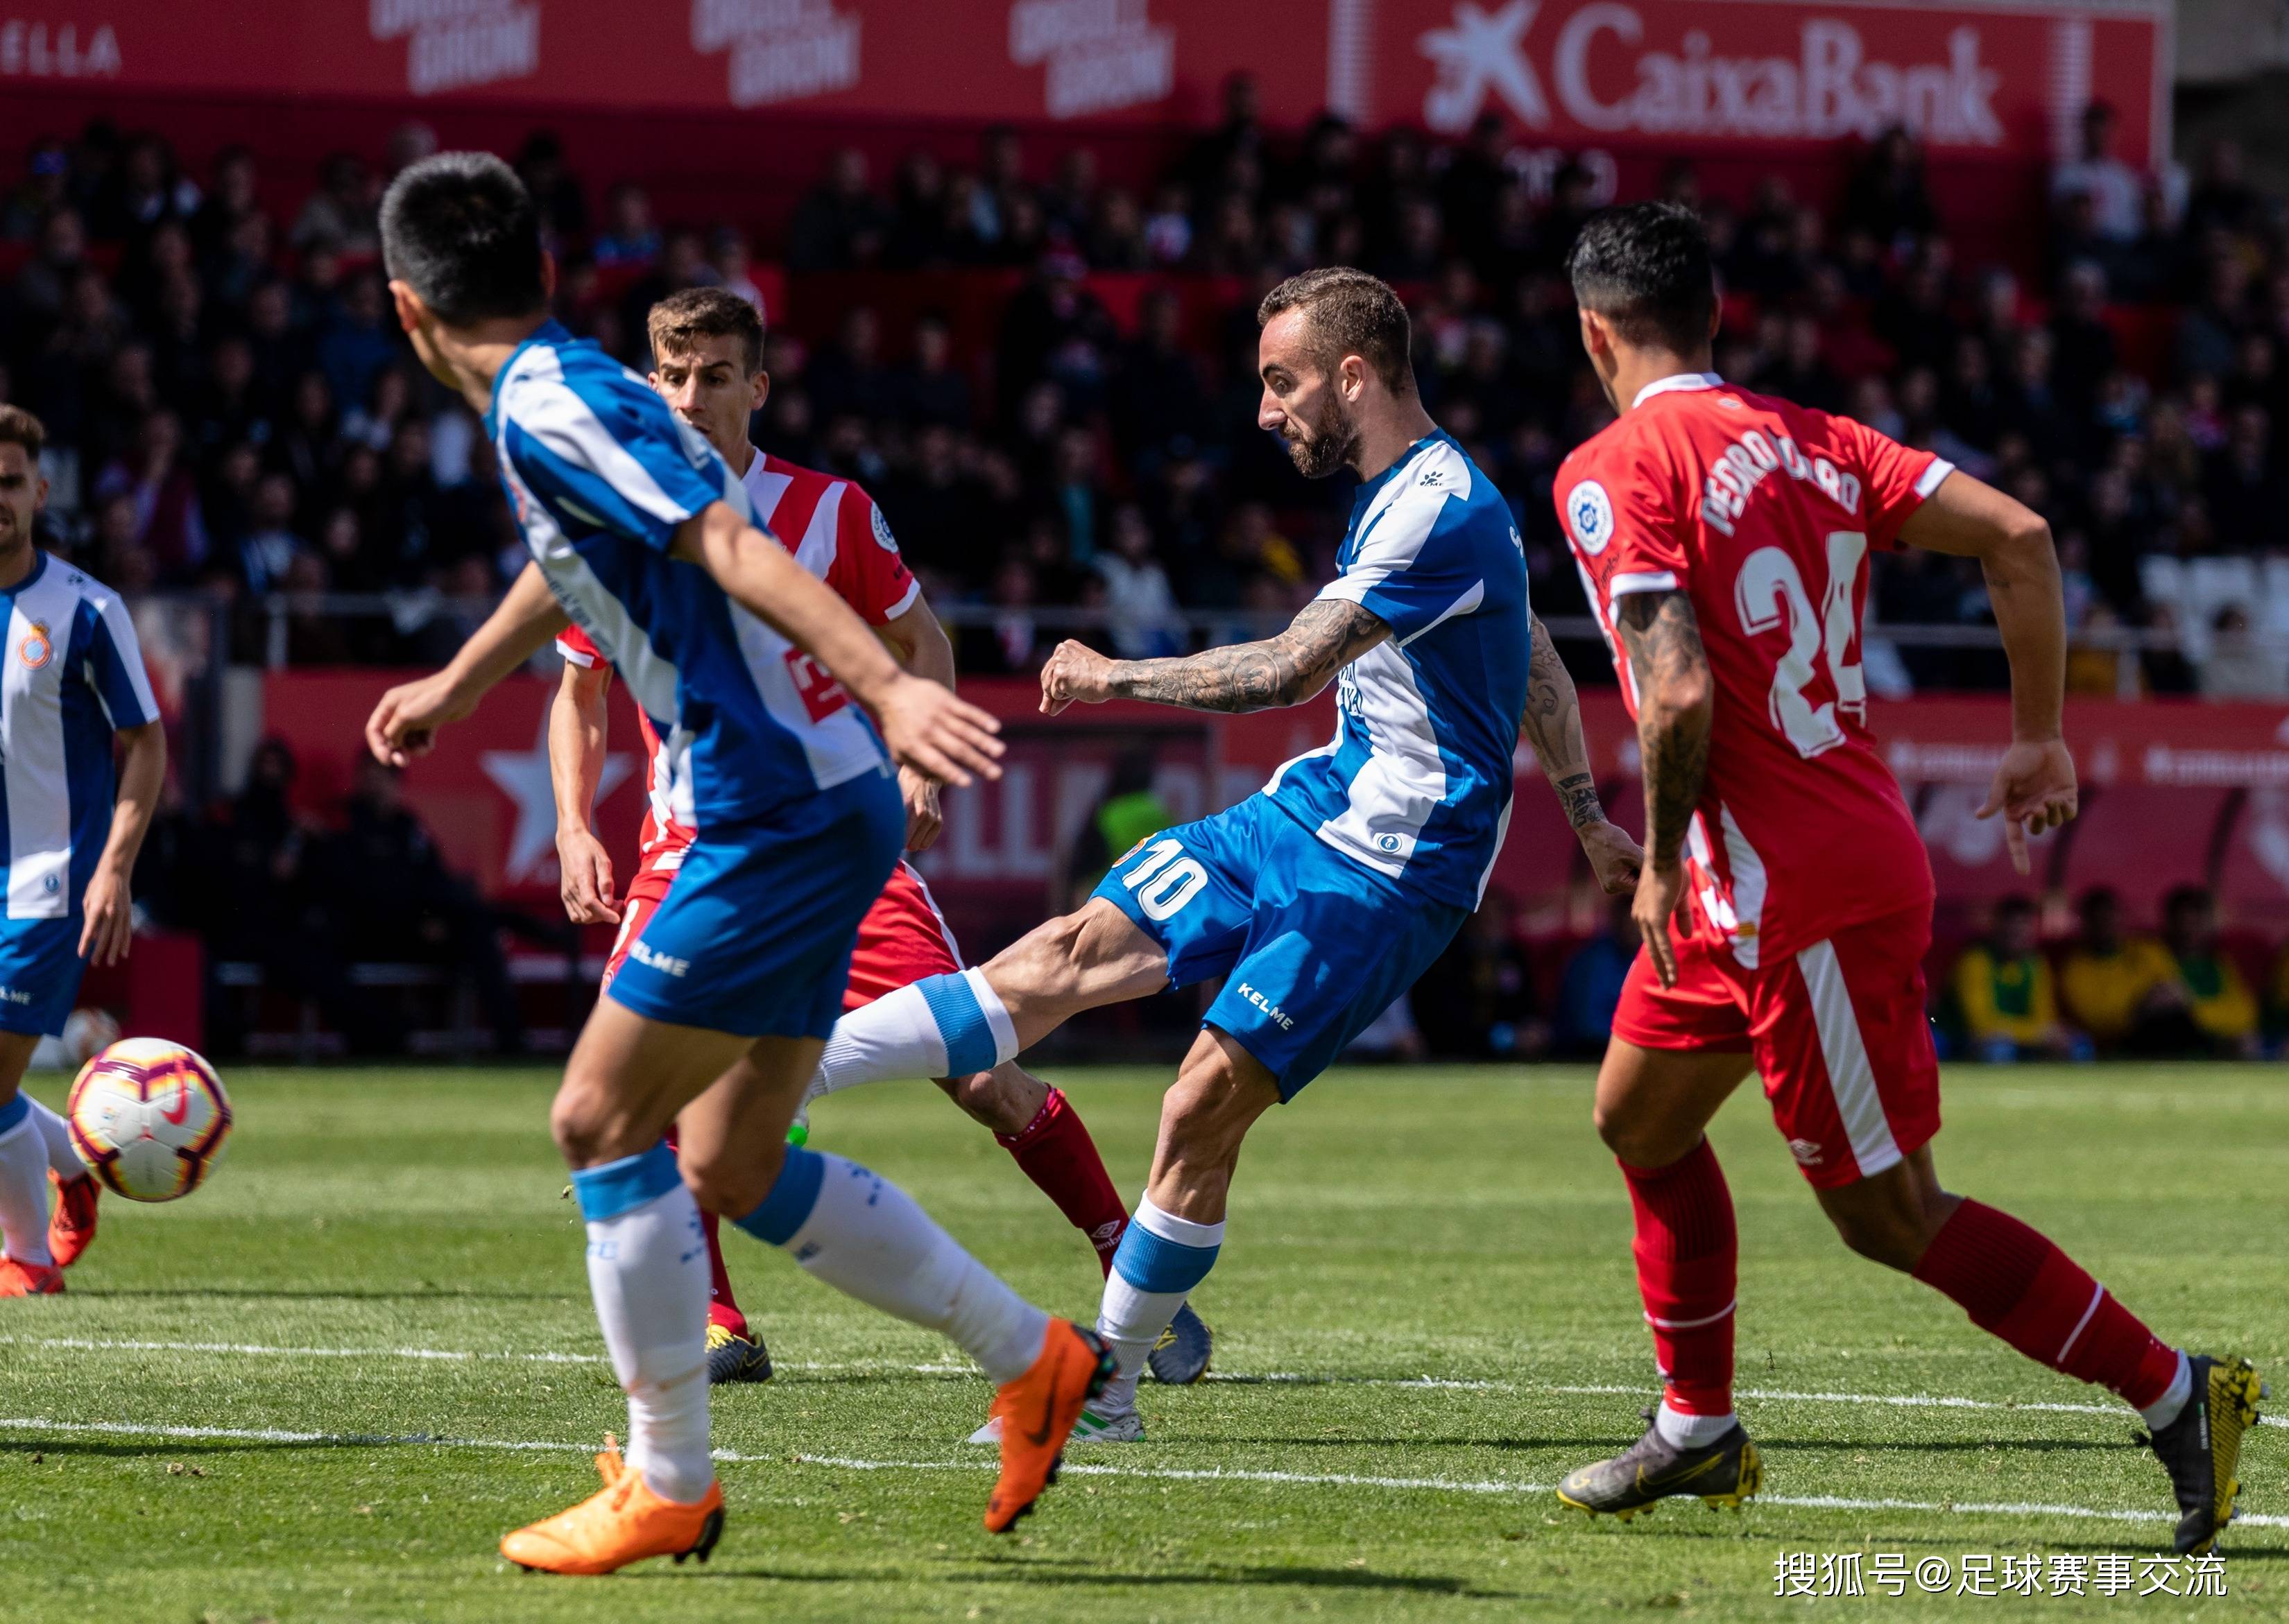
(1090, 1468)
(1905, 1401)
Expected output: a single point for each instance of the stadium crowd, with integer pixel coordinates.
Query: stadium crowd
(232, 409)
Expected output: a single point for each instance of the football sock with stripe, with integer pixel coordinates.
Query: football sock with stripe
(647, 1272)
(2016, 1283)
(23, 1184)
(863, 1236)
(941, 1026)
(1161, 1259)
(1055, 1150)
(1688, 1255)
(63, 1160)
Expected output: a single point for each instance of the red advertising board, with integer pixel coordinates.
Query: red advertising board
(2175, 793)
(1970, 79)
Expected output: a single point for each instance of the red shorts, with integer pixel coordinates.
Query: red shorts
(1836, 1031)
(903, 938)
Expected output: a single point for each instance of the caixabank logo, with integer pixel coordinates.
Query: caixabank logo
(1098, 55)
(453, 44)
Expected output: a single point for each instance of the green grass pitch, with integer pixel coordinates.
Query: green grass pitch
(1424, 1312)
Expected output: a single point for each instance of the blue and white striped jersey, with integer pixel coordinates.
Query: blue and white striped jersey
(1416, 782)
(71, 674)
(600, 472)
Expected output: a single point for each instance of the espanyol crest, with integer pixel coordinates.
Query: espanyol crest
(1590, 511)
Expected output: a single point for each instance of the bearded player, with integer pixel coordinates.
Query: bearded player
(1320, 900)
(708, 346)
(1785, 902)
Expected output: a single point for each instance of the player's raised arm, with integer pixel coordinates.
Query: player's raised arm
(1676, 705)
(1288, 669)
(2034, 787)
(1551, 723)
(405, 723)
(577, 730)
(924, 725)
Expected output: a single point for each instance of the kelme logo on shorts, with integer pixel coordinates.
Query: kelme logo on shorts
(1277, 1015)
(665, 963)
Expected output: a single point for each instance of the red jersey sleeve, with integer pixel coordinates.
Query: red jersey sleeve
(1896, 479)
(572, 643)
(1625, 521)
(867, 572)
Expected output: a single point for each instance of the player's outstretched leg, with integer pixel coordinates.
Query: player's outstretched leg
(72, 1226)
(27, 1267)
(1651, 1105)
(2016, 1283)
(1044, 1134)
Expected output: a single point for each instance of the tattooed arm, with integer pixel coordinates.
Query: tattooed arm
(1552, 725)
(1260, 676)
(1675, 701)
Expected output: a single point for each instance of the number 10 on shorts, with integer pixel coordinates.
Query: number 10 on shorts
(1164, 879)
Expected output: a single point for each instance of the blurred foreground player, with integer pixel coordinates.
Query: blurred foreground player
(636, 527)
(1321, 899)
(707, 349)
(1786, 898)
(71, 683)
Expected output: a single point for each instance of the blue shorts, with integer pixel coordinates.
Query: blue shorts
(40, 968)
(1312, 946)
(754, 936)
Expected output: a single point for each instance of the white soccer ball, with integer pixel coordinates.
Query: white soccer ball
(149, 1117)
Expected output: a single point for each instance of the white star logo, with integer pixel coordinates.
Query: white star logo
(1477, 53)
(522, 776)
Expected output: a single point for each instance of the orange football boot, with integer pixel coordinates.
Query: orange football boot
(621, 1523)
(72, 1223)
(29, 1280)
(1037, 1412)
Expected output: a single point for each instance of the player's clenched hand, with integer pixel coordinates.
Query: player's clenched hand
(585, 879)
(1660, 897)
(110, 917)
(2034, 789)
(936, 734)
(1075, 672)
(405, 723)
(1614, 859)
(923, 819)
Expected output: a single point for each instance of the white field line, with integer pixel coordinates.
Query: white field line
(1904, 1401)
(1448, 1485)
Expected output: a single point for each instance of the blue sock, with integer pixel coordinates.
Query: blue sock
(1162, 1258)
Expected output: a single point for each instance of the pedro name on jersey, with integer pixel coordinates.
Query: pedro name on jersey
(1763, 513)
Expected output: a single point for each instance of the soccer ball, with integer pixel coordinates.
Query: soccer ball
(149, 1117)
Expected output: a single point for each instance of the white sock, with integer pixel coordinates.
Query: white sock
(864, 1236)
(647, 1272)
(1161, 1259)
(1690, 1431)
(23, 1185)
(63, 1160)
(2166, 1409)
(941, 1026)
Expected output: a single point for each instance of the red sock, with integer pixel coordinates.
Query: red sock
(1056, 1153)
(1688, 1254)
(2014, 1282)
(722, 1307)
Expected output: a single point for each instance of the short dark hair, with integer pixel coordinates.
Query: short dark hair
(1350, 314)
(1645, 268)
(706, 313)
(461, 231)
(21, 427)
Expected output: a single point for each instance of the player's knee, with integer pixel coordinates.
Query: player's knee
(1887, 1232)
(731, 1186)
(585, 1123)
(1638, 1137)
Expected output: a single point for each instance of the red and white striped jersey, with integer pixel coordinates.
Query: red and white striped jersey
(1763, 513)
(836, 532)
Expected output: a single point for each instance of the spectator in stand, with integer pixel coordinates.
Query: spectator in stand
(170, 522)
(2116, 192)
(2005, 996)
(1589, 987)
(929, 390)
(2121, 989)
(555, 190)
(1129, 812)
(1140, 610)
(629, 239)
(341, 215)
(2217, 1000)
(1476, 1002)
(268, 547)
(840, 225)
